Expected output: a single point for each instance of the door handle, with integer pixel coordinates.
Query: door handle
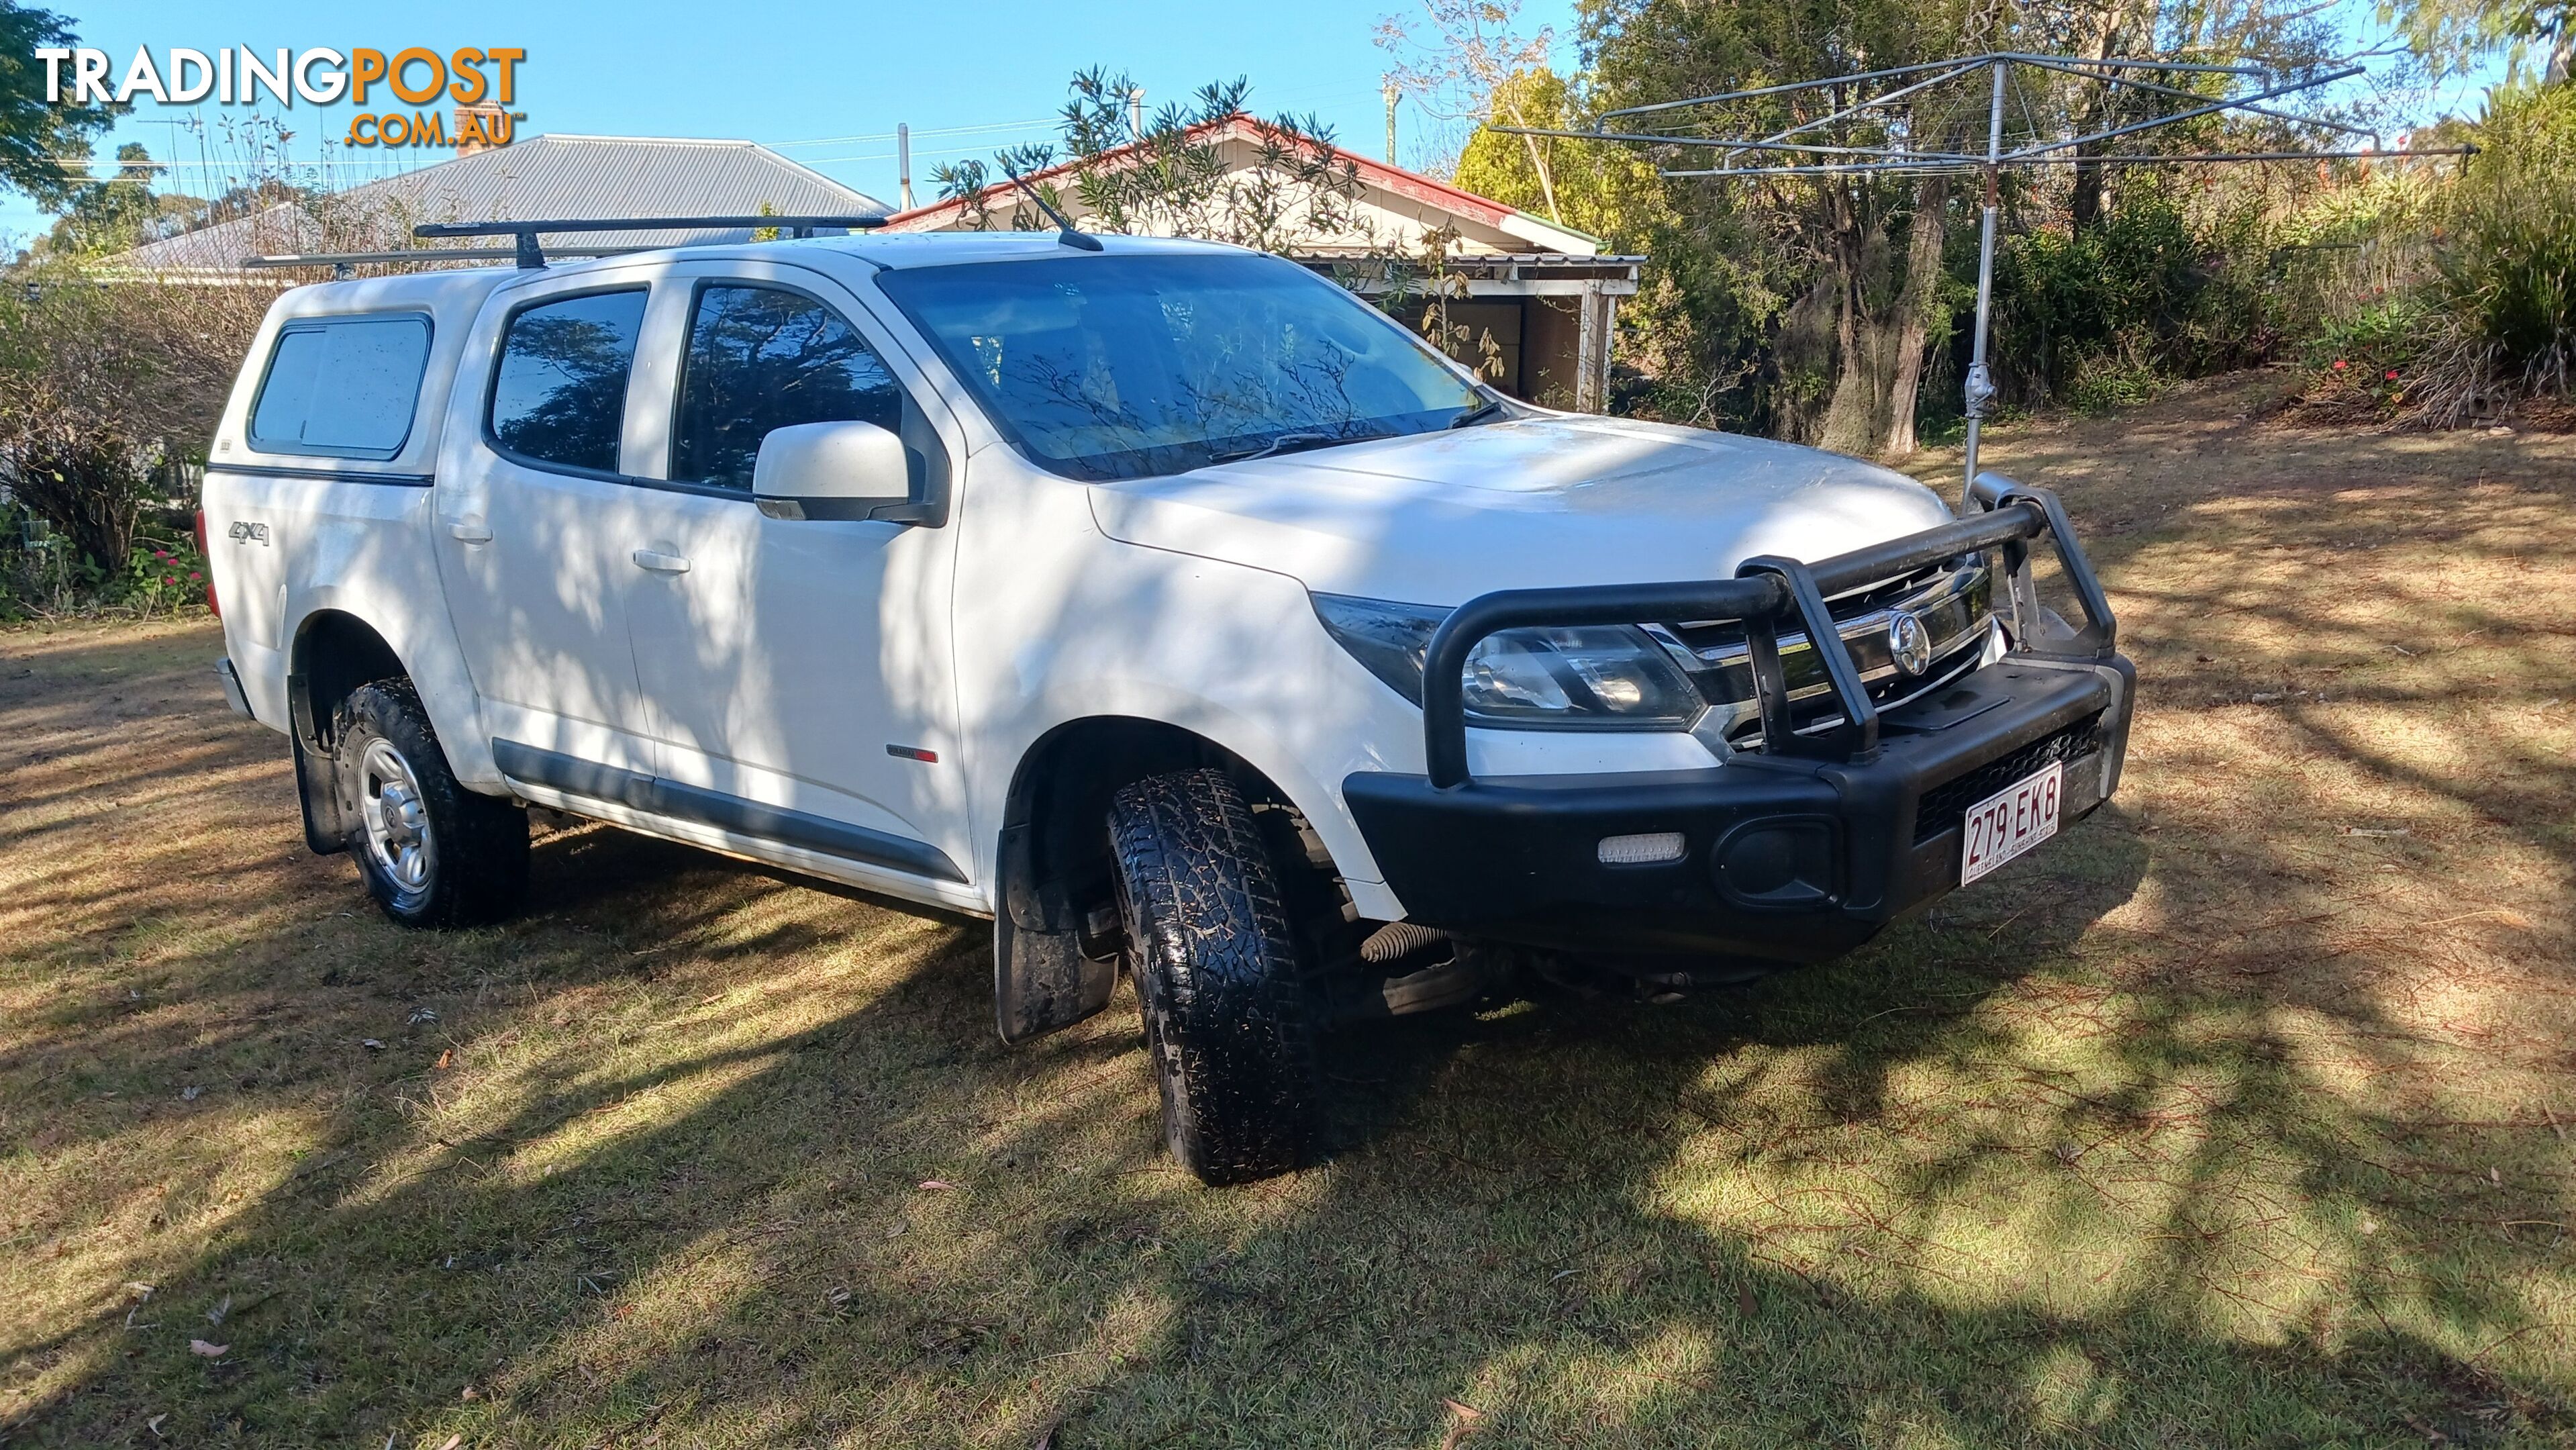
(661, 563)
(470, 531)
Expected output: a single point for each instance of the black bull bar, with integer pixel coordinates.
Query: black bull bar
(1798, 851)
(1767, 592)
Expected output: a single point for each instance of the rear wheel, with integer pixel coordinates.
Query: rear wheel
(1228, 1016)
(432, 853)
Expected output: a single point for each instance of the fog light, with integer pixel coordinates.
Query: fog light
(1777, 864)
(1644, 850)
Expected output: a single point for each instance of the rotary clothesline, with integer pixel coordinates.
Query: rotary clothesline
(1919, 83)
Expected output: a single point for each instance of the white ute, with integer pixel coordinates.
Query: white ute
(1158, 600)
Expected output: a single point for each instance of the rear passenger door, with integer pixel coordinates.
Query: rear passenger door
(536, 530)
(795, 672)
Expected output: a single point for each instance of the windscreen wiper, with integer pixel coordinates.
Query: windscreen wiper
(1476, 414)
(1284, 443)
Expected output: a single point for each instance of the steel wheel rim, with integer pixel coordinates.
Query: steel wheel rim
(399, 839)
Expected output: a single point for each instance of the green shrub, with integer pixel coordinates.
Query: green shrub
(2112, 378)
(2064, 300)
(2508, 256)
(41, 576)
(2369, 363)
(161, 576)
(2166, 284)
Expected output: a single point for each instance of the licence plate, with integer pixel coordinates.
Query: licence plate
(2011, 821)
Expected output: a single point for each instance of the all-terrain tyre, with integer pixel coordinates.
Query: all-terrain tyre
(433, 854)
(1229, 1018)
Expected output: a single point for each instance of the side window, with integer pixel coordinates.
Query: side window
(760, 358)
(343, 387)
(560, 396)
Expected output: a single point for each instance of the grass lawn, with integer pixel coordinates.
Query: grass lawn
(2238, 1116)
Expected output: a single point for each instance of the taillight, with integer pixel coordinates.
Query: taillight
(206, 560)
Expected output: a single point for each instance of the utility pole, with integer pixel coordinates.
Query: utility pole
(903, 163)
(1392, 92)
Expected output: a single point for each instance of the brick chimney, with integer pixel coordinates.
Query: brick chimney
(480, 128)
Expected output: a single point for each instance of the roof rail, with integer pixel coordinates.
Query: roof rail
(529, 254)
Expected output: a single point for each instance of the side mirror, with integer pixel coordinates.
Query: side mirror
(838, 471)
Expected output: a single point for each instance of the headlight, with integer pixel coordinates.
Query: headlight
(1593, 677)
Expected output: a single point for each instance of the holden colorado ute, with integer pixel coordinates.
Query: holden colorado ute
(1162, 602)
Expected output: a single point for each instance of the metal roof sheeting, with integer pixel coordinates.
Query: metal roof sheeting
(548, 177)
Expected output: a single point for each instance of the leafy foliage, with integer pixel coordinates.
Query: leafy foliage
(1800, 306)
(1474, 65)
(2155, 288)
(104, 385)
(2367, 365)
(1600, 188)
(2465, 289)
(162, 573)
(121, 212)
(36, 134)
(1833, 308)
(1421, 288)
(1167, 175)
(2508, 269)
(2455, 37)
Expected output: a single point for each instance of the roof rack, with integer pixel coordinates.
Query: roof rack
(528, 254)
(341, 263)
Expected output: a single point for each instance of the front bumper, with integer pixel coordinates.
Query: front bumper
(1797, 852)
(1784, 858)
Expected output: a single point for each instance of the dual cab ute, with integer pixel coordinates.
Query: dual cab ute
(1160, 601)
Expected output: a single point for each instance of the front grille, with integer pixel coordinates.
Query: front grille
(1951, 600)
(1725, 636)
(1945, 805)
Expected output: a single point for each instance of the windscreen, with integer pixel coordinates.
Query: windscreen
(1126, 366)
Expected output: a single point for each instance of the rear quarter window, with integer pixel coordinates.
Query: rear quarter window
(342, 387)
(559, 391)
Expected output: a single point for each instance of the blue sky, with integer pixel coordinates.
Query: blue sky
(825, 84)
(784, 74)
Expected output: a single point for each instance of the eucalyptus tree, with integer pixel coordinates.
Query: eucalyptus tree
(1838, 278)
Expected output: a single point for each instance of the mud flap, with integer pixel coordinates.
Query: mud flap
(317, 780)
(1041, 980)
(317, 784)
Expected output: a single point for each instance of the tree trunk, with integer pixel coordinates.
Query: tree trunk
(2108, 30)
(1914, 310)
(1860, 374)
(2086, 206)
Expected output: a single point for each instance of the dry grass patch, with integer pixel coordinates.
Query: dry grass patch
(2237, 1117)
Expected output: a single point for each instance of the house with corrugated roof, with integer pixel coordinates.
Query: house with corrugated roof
(1544, 292)
(544, 176)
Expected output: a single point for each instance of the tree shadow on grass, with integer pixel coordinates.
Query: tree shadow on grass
(775, 1185)
(2199, 1127)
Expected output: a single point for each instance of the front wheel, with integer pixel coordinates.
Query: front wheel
(432, 853)
(1228, 1017)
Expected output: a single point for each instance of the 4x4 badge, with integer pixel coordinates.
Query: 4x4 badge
(1909, 644)
(249, 533)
